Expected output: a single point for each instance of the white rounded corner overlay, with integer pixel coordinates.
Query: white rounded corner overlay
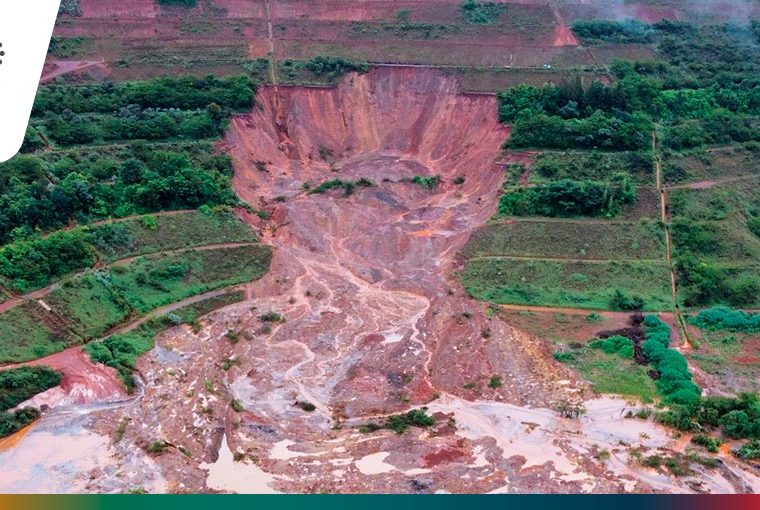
(25, 30)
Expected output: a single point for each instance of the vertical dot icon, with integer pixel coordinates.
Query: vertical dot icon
(2, 53)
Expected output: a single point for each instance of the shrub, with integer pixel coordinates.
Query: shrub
(305, 405)
(20, 384)
(723, 317)
(568, 198)
(481, 13)
(708, 442)
(399, 423)
(270, 317)
(749, 450)
(615, 344)
(626, 302)
(10, 423)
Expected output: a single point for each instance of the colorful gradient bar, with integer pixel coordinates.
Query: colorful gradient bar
(383, 502)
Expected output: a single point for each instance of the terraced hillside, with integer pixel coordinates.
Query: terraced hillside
(434, 246)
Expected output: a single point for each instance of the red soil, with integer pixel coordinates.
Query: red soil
(83, 382)
(563, 36)
(119, 9)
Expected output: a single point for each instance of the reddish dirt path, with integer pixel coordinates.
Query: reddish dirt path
(563, 35)
(63, 67)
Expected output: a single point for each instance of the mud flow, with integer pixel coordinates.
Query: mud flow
(375, 323)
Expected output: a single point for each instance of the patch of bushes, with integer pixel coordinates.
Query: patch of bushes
(429, 182)
(348, 187)
(31, 264)
(400, 423)
(673, 377)
(621, 32)
(335, 66)
(481, 13)
(729, 319)
(615, 344)
(305, 405)
(10, 423)
(569, 198)
(20, 384)
(711, 444)
(749, 450)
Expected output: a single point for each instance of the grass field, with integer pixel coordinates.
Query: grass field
(93, 303)
(29, 332)
(579, 239)
(611, 374)
(153, 281)
(730, 358)
(89, 303)
(156, 233)
(567, 284)
(711, 163)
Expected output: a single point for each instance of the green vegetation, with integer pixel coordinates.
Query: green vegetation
(69, 8)
(566, 284)
(321, 68)
(629, 31)
(90, 303)
(20, 384)
(481, 13)
(568, 239)
(122, 350)
(400, 423)
(306, 406)
(95, 302)
(48, 191)
(569, 198)
(592, 166)
(725, 318)
(427, 182)
(348, 187)
(121, 239)
(749, 450)
(184, 3)
(612, 372)
(65, 47)
(153, 281)
(710, 443)
(32, 263)
(11, 423)
(673, 377)
(335, 66)
(30, 332)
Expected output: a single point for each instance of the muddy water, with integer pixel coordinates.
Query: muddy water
(60, 455)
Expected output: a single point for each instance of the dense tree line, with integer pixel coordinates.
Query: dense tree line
(46, 194)
(706, 90)
(184, 93)
(628, 31)
(132, 123)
